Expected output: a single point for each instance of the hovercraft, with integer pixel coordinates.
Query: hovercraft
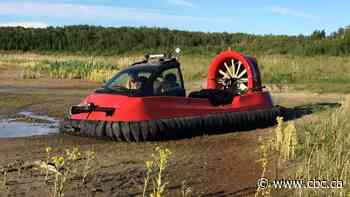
(147, 101)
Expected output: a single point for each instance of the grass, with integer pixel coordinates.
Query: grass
(315, 73)
(282, 144)
(25, 59)
(323, 151)
(324, 87)
(297, 70)
(313, 149)
(319, 74)
(66, 66)
(70, 70)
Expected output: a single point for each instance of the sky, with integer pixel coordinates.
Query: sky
(290, 17)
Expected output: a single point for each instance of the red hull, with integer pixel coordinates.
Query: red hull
(162, 107)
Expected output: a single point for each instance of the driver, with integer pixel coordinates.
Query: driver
(134, 82)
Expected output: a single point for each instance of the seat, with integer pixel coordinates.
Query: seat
(216, 97)
(170, 86)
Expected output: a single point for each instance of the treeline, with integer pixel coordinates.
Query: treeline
(102, 40)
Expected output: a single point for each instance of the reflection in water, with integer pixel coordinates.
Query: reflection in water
(14, 128)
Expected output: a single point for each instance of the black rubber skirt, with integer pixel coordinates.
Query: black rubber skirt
(174, 128)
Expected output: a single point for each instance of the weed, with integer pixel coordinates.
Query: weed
(4, 180)
(185, 190)
(263, 150)
(161, 161)
(157, 167)
(279, 134)
(19, 169)
(89, 164)
(285, 139)
(67, 166)
(149, 167)
(48, 155)
(4, 190)
(60, 176)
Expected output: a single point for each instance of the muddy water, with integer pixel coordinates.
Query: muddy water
(18, 128)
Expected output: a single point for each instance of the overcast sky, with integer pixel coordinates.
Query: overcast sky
(254, 16)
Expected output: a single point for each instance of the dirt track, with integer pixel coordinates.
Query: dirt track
(217, 165)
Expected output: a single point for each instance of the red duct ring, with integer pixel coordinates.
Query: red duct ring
(249, 64)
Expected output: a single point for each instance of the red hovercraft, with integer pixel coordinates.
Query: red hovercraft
(147, 101)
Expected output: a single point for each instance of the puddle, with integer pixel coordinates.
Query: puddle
(32, 116)
(19, 128)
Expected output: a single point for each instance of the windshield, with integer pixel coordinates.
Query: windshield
(129, 82)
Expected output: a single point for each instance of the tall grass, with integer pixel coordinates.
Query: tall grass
(32, 58)
(68, 67)
(315, 149)
(70, 70)
(293, 69)
(275, 69)
(282, 69)
(320, 73)
(323, 151)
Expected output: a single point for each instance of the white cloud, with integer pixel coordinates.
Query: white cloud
(290, 12)
(70, 14)
(185, 3)
(24, 24)
(90, 12)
